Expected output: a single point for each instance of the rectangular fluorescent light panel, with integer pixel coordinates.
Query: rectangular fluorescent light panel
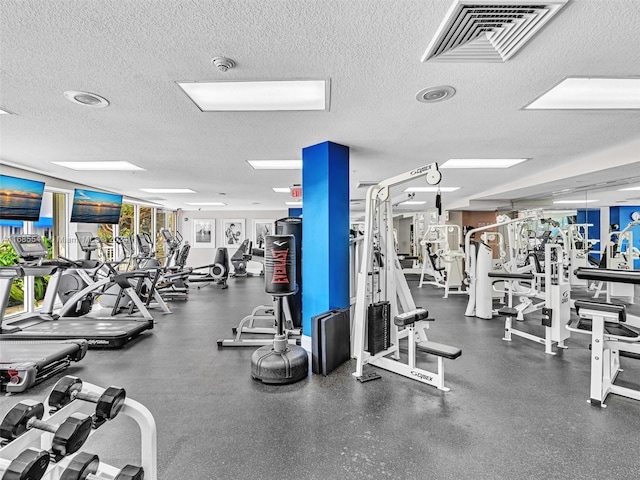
(575, 201)
(481, 162)
(628, 189)
(100, 166)
(168, 190)
(281, 189)
(215, 204)
(257, 96)
(413, 202)
(591, 94)
(431, 189)
(4, 112)
(276, 164)
(293, 204)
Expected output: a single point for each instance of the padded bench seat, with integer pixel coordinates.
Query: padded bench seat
(508, 312)
(511, 276)
(411, 317)
(439, 349)
(602, 307)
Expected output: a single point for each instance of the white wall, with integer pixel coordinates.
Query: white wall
(198, 255)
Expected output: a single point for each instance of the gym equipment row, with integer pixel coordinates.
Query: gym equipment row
(103, 332)
(39, 446)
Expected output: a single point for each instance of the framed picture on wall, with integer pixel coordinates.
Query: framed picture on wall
(204, 230)
(232, 232)
(262, 228)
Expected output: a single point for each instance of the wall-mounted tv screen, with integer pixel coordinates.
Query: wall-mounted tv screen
(95, 207)
(20, 199)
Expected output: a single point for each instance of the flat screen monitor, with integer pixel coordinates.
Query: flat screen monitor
(20, 199)
(95, 207)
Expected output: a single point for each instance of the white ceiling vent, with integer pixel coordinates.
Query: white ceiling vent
(488, 31)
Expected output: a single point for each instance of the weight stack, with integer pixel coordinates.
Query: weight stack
(378, 327)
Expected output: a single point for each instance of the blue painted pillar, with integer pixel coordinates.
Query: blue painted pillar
(325, 232)
(295, 212)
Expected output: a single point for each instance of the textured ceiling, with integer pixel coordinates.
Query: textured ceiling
(134, 51)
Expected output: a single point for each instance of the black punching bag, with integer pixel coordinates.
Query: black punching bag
(281, 362)
(280, 265)
(293, 226)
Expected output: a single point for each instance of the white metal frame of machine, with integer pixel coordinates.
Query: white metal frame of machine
(391, 285)
(42, 440)
(556, 312)
(605, 354)
(452, 259)
(619, 260)
(478, 263)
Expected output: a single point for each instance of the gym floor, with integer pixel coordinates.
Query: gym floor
(512, 412)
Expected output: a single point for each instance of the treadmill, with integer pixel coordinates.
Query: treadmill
(45, 325)
(23, 363)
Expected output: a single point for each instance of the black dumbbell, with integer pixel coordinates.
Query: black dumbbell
(68, 437)
(85, 465)
(69, 388)
(31, 464)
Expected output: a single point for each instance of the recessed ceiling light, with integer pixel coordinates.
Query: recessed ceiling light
(126, 166)
(281, 189)
(590, 94)
(87, 99)
(481, 162)
(293, 204)
(216, 204)
(168, 190)
(575, 201)
(258, 96)
(432, 189)
(413, 202)
(435, 94)
(630, 188)
(276, 164)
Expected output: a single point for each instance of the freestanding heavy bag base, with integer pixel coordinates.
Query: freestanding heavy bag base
(280, 367)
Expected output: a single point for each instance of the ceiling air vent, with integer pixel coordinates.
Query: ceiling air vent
(490, 31)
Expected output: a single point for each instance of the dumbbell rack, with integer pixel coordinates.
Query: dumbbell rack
(132, 409)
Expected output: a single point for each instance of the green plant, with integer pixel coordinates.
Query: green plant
(8, 256)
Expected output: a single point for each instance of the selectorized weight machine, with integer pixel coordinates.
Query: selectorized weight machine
(376, 339)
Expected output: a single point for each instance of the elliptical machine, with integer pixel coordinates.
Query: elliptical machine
(281, 362)
(86, 272)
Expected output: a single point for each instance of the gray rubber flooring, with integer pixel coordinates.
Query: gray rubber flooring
(512, 412)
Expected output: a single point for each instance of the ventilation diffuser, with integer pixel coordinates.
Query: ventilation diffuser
(489, 31)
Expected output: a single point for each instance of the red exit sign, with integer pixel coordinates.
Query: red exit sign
(296, 191)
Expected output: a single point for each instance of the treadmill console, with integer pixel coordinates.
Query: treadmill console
(87, 241)
(29, 247)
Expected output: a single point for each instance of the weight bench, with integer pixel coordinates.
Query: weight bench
(610, 340)
(439, 349)
(408, 320)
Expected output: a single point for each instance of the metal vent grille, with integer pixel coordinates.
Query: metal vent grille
(367, 184)
(489, 32)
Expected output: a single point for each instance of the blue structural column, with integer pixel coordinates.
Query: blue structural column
(325, 231)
